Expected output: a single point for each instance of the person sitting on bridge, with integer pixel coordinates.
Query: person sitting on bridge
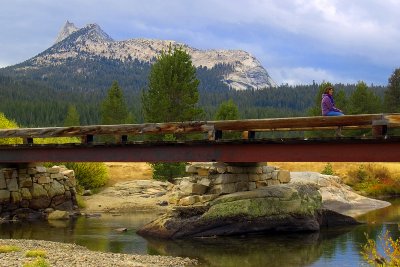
(329, 109)
(328, 104)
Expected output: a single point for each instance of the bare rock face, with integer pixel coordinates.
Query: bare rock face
(288, 208)
(66, 31)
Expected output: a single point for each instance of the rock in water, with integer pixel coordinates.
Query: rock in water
(275, 208)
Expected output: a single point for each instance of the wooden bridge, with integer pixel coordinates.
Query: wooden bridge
(379, 145)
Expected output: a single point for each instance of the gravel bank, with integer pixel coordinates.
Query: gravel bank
(63, 254)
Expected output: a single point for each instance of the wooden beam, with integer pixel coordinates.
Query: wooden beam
(281, 124)
(303, 122)
(123, 129)
(330, 128)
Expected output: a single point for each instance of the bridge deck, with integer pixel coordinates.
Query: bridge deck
(379, 146)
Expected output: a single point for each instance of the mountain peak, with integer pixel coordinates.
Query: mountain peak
(243, 71)
(92, 31)
(95, 32)
(66, 31)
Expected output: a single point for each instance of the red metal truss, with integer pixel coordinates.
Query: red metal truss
(292, 150)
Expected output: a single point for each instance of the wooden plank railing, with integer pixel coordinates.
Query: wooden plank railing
(379, 123)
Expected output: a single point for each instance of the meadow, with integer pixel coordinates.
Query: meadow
(377, 179)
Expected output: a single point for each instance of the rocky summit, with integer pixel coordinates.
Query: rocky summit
(244, 70)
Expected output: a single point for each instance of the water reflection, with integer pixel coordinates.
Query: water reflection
(268, 250)
(97, 233)
(388, 215)
(329, 247)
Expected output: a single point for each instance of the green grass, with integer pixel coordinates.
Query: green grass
(39, 262)
(8, 248)
(81, 201)
(36, 253)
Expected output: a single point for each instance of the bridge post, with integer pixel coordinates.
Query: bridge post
(379, 128)
(121, 139)
(214, 135)
(27, 140)
(252, 134)
(87, 139)
(248, 135)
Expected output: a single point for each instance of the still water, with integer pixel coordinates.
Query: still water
(329, 247)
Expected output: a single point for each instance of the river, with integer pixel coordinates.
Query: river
(329, 247)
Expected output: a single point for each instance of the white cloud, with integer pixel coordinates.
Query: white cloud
(305, 75)
(367, 28)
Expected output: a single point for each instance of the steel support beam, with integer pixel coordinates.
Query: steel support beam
(379, 150)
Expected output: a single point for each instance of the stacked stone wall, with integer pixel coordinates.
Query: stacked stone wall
(206, 181)
(31, 191)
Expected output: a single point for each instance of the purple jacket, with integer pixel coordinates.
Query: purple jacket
(327, 104)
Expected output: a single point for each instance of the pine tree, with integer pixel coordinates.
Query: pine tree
(72, 118)
(113, 108)
(227, 110)
(363, 100)
(172, 93)
(392, 94)
(328, 170)
(341, 100)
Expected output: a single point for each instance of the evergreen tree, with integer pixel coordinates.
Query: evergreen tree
(113, 108)
(72, 118)
(172, 93)
(227, 110)
(392, 94)
(341, 100)
(363, 100)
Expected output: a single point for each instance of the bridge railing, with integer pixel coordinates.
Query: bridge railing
(379, 123)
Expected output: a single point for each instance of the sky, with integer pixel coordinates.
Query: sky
(296, 41)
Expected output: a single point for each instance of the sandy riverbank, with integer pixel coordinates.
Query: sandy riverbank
(129, 189)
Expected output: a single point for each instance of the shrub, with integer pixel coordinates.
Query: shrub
(391, 249)
(328, 169)
(164, 171)
(80, 201)
(167, 171)
(90, 175)
(8, 124)
(8, 248)
(373, 180)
